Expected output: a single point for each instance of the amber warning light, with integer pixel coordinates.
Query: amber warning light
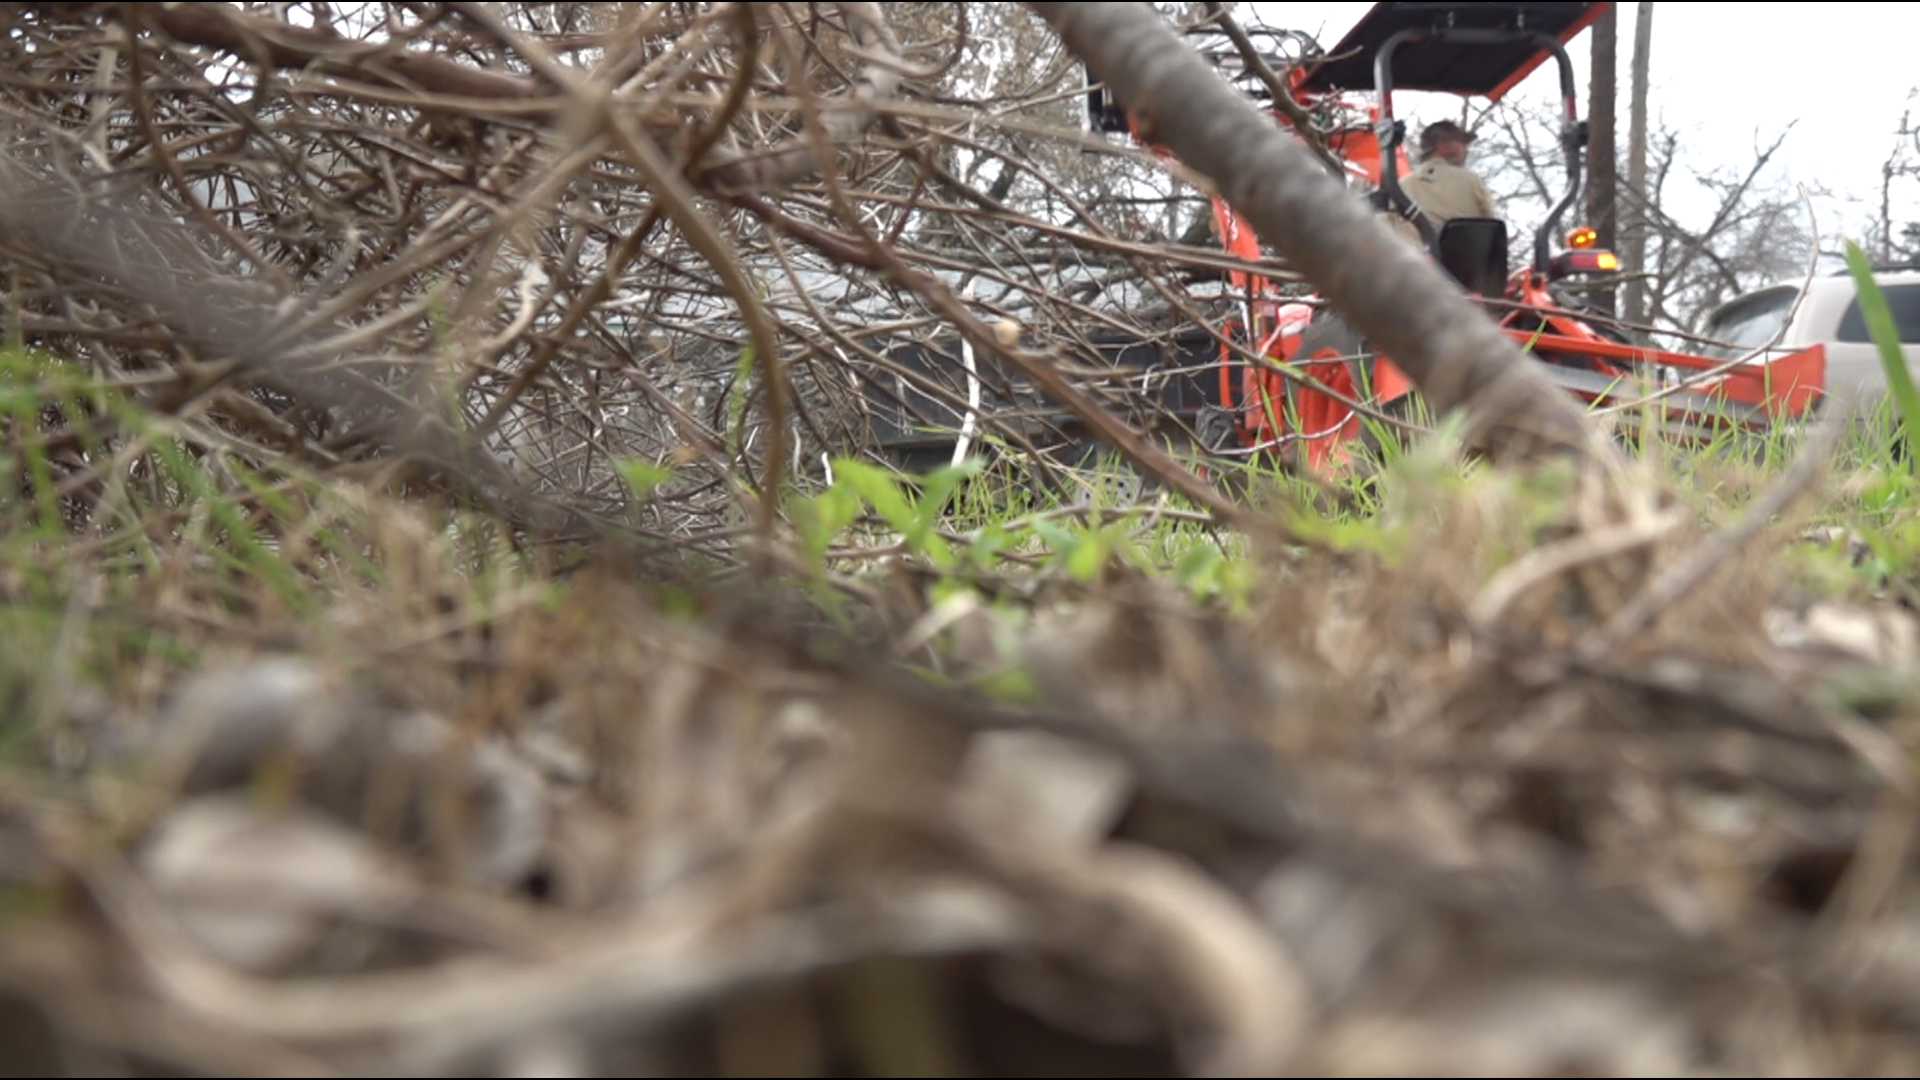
(1584, 261)
(1589, 261)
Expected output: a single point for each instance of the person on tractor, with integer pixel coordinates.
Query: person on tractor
(1443, 187)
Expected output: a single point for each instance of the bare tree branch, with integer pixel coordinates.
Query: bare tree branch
(1276, 86)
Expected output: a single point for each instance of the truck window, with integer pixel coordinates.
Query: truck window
(1903, 300)
(1747, 327)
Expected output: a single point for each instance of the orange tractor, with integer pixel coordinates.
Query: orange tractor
(1300, 399)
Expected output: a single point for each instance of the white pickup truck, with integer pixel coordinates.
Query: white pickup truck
(1828, 315)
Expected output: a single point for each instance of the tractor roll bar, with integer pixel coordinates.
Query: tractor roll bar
(1573, 133)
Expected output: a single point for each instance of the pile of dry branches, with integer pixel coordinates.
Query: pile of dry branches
(490, 253)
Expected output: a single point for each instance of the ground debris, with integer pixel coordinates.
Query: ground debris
(1212, 845)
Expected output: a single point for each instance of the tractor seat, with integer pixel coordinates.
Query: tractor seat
(1474, 251)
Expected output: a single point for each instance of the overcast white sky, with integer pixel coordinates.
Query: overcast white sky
(1725, 75)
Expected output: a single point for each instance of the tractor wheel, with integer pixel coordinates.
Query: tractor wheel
(1333, 338)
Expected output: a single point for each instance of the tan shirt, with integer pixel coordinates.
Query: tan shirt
(1444, 191)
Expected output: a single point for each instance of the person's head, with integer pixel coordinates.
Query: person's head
(1445, 140)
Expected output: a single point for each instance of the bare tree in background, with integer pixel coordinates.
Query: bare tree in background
(1756, 232)
(1602, 160)
(1633, 248)
(1897, 238)
(1711, 231)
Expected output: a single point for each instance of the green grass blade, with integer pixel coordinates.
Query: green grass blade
(1886, 338)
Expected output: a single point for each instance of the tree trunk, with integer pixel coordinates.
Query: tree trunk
(1602, 160)
(1886, 212)
(1405, 305)
(1634, 249)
